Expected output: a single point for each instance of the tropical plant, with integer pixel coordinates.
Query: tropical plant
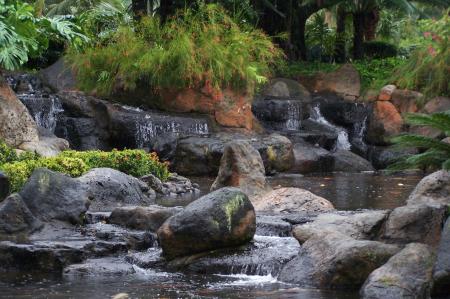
(435, 153)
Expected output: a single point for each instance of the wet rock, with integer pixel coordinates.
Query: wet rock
(153, 182)
(360, 225)
(16, 220)
(335, 261)
(108, 188)
(4, 186)
(16, 124)
(309, 159)
(314, 134)
(142, 218)
(286, 88)
(54, 196)
(346, 161)
(178, 185)
(406, 101)
(382, 156)
(241, 166)
(224, 218)
(408, 274)
(386, 92)
(165, 145)
(32, 257)
(96, 217)
(272, 226)
(433, 189)
(151, 258)
(291, 200)
(341, 113)
(281, 114)
(384, 122)
(104, 267)
(59, 76)
(263, 256)
(417, 223)
(46, 146)
(441, 271)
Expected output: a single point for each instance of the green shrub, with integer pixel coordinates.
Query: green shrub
(7, 154)
(379, 49)
(196, 48)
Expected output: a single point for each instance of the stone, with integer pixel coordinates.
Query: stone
(346, 161)
(432, 189)
(415, 223)
(285, 88)
(359, 225)
(54, 196)
(241, 166)
(16, 220)
(223, 218)
(4, 186)
(310, 159)
(335, 261)
(142, 218)
(408, 274)
(384, 122)
(16, 124)
(275, 226)
(153, 182)
(46, 146)
(406, 101)
(386, 92)
(382, 156)
(103, 267)
(96, 217)
(438, 104)
(59, 76)
(108, 188)
(280, 114)
(291, 200)
(441, 270)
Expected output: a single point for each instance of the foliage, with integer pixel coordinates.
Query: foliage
(320, 36)
(374, 72)
(24, 35)
(193, 49)
(379, 49)
(133, 162)
(435, 153)
(294, 69)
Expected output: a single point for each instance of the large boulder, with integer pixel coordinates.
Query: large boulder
(291, 200)
(282, 114)
(384, 122)
(433, 189)
(406, 101)
(346, 161)
(441, 271)
(241, 166)
(16, 220)
(415, 223)
(285, 88)
(46, 146)
(224, 218)
(54, 196)
(360, 225)
(310, 158)
(108, 188)
(142, 218)
(4, 186)
(408, 274)
(59, 76)
(16, 124)
(438, 104)
(336, 261)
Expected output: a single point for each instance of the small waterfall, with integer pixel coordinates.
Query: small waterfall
(358, 132)
(293, 111)
(342, 142)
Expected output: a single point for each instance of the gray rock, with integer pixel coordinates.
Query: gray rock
(104, 267)
(53, 196)
(16, 220)
(4, 186)
(441, 271)
(407, 274)
(273, 226)
(286, 88)
(224, 218)
(418, 223)
(310, 158)
(96, 217)
(108, 188)
(142, 218)
(433, 189)
(153, 182)
(241, 166)
(364, 225)
(336, 261)
(46, 146)
(151, 258)
(346, 161)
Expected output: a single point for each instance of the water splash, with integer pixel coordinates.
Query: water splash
(293, 121)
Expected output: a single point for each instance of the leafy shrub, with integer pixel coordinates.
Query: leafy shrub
(435, 153)
(374, 72)
(197, 48)
(379, 49)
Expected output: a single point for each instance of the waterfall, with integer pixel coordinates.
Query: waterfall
(342, 142)
(293, 111)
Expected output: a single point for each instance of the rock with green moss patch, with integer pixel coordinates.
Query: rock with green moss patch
(221, 219)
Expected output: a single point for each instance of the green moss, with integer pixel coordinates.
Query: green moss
(271, 154)
(231, 208)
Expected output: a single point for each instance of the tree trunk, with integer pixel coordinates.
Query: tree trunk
(358, 35)
(371, 23)
(299, 38)
(339, 48)
(139, 7)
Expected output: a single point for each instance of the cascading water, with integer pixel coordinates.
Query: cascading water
(342, 142)
(293, 111)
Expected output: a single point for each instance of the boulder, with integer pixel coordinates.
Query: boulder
(310, 158)
(408, 274)
(108, 188)
(142, 218)
(4, 186)
(335, 261)
(275, 226)
(346, 161)
(59, 76)
(382, 156)
(103, 267)
(433, 189)
(291, 200)
(406, 101)
(223, 218)
(281, 114)
(360, 225)
(386, 92)
(441, 271)
(54, 196)
(384, 122)
(46, 146)
(241, 166)
(438, 104)
(285, 88)
(16, 220)
(415, 223)
(16, 124)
